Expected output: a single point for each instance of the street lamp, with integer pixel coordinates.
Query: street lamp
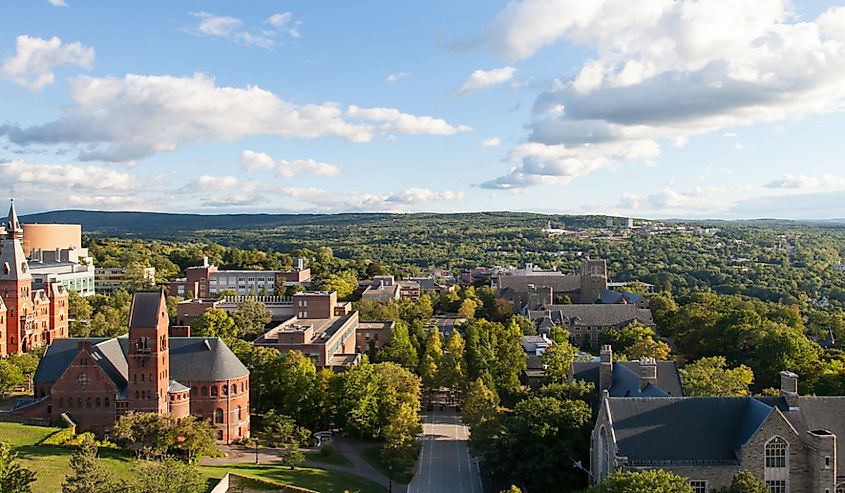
(390, 478)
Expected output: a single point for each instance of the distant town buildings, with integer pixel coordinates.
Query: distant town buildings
(96, 380)
(206, 281)
(384, 288)
(789, 442)
(56, 256)
(29, 317)
(110, 279)
(372, 336)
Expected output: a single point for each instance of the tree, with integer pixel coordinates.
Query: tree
(193, 437)
(510, 359)
(344, 283)
(711, 377)
(432, 359)
(214, 323)
(453, 370)
(467, 309)
(292, 456)
(166, 476)
(14, 478)
(399, 349)
(250, 318)
(653, 481)
(11, 377)
(745, 482)
(400, 442)
(479, 404)
(648, 347)
(512, 489)
(145, 433)
(296, 387)
(88, 475)
(558, 360)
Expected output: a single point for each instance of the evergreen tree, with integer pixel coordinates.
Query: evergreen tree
(88, 474)
(14, 478)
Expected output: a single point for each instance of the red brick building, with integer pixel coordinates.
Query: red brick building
(94, 380)
(28, 318)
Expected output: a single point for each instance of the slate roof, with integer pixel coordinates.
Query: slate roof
(601, 315)
(626, 378)
(652, 431)
(559, 282)
(143, 314)
(191, 359)
(610, 297)
(176, 387)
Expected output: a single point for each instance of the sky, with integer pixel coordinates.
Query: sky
(654, 108)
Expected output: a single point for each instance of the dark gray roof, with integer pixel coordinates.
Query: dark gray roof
(626, 378)
(659, 430)
(559, 282)
(176, 387)
(145, 308)
(602, 315)
(610, 296)
(197, 359)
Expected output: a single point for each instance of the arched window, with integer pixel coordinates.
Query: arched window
(97, 402)
(234, 389)
(88, 402)
(602, 455)
(224, 389)
(776, 472)
(238, 412)
(776, 453)
(107, 402)
(213, 391)
(218, 415)
(204, 391)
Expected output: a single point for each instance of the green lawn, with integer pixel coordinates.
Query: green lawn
(373, 458)
(315, 479)
(335, 458)
(51, 465)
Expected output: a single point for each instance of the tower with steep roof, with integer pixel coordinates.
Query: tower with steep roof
(16, 287)
(148, 356)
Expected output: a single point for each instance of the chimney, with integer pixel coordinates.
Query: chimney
(606, 368)
(205, 261)
(648, 371)
(789, 389)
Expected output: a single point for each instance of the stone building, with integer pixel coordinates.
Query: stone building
(29, 318)
(788, 442)
(645, 377)
(530, 288)
(586, 322)
(95, 380)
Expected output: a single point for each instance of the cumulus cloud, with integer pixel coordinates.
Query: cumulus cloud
(482, 79)
(397, 76)
(72, 177)
(58, 3)
(401, 201)
(259, 161)
(396, 121)
(138, 116)
(491, 142)
(35, 58)
(665, 70)
(803, 181)
(235, 30)
(256, 161)
(542, 164)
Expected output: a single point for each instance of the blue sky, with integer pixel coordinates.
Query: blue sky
(655, 108)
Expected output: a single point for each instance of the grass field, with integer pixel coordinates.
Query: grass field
(335, 458)
(51, 465)
(373, 458)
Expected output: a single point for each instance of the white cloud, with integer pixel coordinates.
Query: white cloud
(58, 3)
(235, 30)
(541, 164)
(396, 121)
(803, 181)
(35, 58)
(491, 142)
(402, 201)
(67, 176)
(290, 169)
(137, 116)
(669, 201)
(667, 69)
(482, 79)
(397, 76)
(256, 161)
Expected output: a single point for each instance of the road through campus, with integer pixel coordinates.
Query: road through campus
(445, 464)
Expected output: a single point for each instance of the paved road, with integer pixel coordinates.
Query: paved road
(445, 465)
(445, 323)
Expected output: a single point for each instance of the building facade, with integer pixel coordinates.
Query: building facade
(29, 317)
(95, 380)
(107, 280)
(530, 288)
(206, 281)
(586, 323)
(788, 442)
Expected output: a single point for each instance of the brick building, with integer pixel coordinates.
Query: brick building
(28, 318)
(322, 329)
(95, 380)
(206, 281)
(788, 442)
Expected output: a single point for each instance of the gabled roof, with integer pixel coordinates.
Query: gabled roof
(626, 378)
(609, 297)
(602, 315)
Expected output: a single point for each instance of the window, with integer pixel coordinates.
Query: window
(698, 486)
(776, 453)
(224, 389)
(204, 391)
(234, 389)
(97, 402)
(827, 462)
(218, 415)
(238, 412)
(106, 403)
(214, 391)
(220, 434)
(776, 486)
